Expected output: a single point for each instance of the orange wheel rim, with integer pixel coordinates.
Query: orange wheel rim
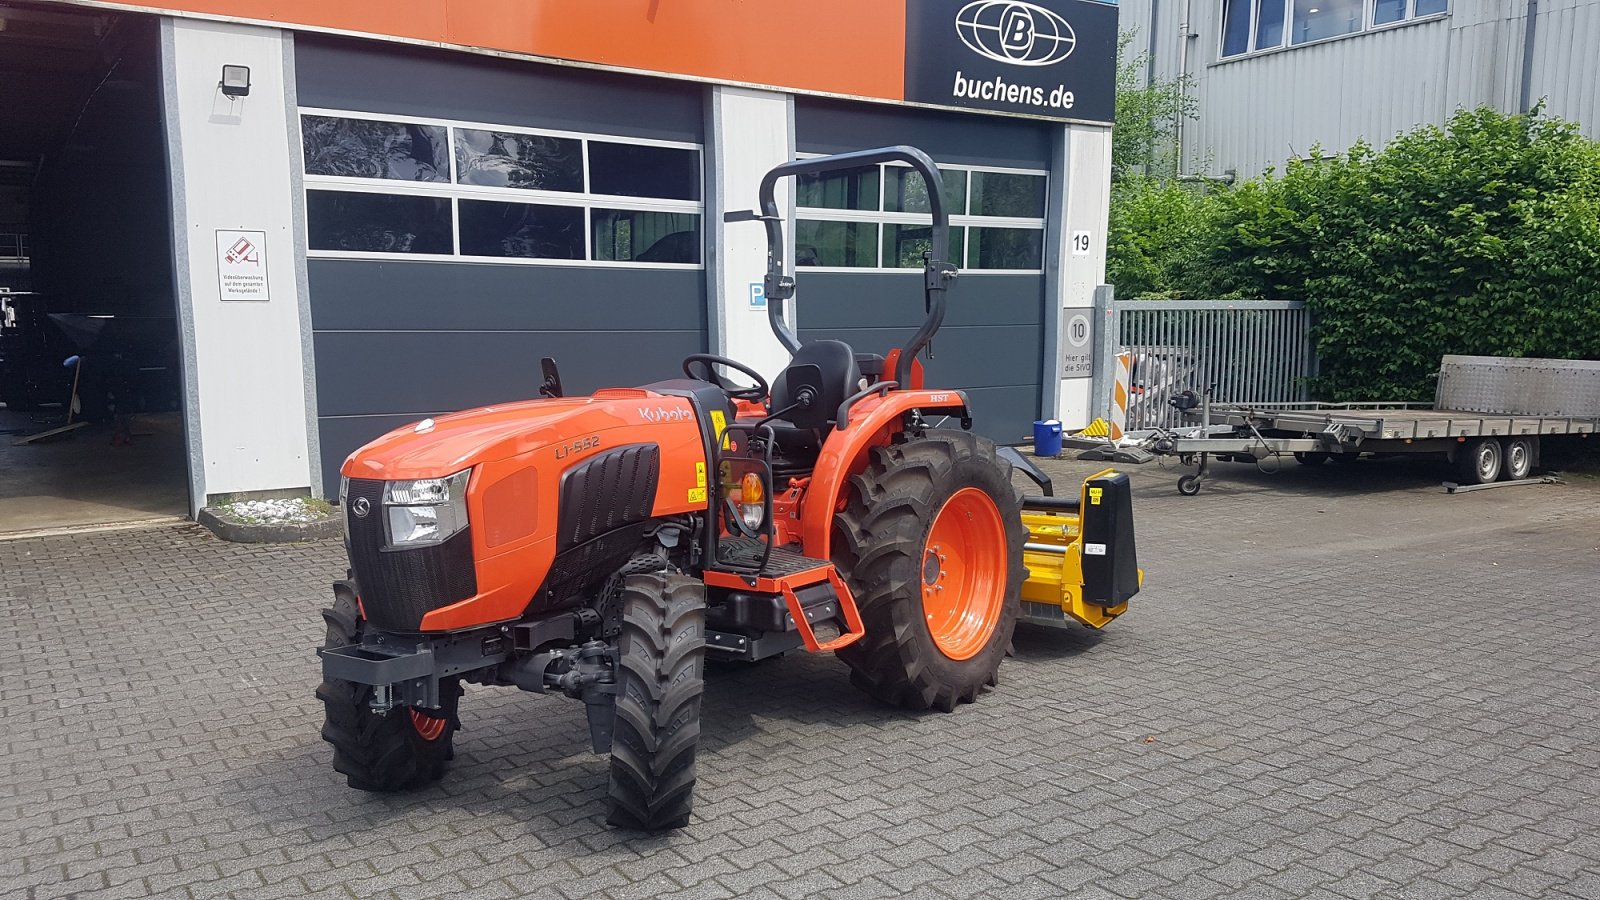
(963, 573)
(429, 727)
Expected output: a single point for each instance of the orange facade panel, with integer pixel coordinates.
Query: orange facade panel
(854, 47)
(838, 46)
(420, 20)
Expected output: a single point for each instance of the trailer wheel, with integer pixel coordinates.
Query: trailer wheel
(1311, 457)
(1478, 461)
(1189, 485)
(404, 749)
(661, 654)
(930, 543)
(1520, 453)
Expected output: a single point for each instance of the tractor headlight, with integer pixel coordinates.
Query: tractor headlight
(425, 511)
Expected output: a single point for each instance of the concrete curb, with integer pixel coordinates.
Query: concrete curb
(283, 533)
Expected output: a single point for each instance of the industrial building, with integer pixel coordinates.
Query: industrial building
(267, 232)
(1272, 79)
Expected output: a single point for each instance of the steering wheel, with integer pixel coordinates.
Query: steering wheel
(707, 361)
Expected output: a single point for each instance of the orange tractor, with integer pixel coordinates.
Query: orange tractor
(603, 547)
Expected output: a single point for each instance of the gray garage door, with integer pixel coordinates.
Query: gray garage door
(467, 216)
(859, 239)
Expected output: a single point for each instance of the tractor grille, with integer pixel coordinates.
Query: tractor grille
(607, 491)
(399, 587)
(580, 569)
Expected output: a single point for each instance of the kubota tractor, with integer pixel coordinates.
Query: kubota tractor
(603, 547)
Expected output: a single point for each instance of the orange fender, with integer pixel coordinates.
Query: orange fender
(873, 422)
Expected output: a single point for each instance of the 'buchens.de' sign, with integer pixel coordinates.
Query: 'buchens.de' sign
(1053, 59)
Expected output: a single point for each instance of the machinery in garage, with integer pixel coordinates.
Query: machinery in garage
(603, 547)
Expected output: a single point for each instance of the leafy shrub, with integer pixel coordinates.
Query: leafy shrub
(1480, 237)
(1161, 232)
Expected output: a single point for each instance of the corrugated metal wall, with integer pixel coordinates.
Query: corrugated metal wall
(1260, 111)
(1566, 62)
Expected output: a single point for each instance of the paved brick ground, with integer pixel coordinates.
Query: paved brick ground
(1337, 683)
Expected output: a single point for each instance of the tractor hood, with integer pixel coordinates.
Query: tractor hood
(444, 445)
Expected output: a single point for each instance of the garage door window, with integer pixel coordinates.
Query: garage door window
(877, 218)
(622, 235)
(521, 230)
(377, 223)
(626, 170)
(366, 148)
(400, 187)
(530, 162)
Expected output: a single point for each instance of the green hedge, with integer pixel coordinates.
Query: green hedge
(1161, 234)
(1480, 237)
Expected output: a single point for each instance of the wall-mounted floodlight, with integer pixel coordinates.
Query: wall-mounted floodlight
(235, 81)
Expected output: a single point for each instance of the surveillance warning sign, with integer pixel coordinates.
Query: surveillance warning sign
(242, 265)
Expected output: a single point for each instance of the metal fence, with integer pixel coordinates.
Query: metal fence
(1245, 352)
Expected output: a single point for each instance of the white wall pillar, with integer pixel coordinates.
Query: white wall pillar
(1083, 254)
(750, 132)
(243, 317)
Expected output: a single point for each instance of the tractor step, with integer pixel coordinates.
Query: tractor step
(753, 626)
(744, 555)
(811, 591)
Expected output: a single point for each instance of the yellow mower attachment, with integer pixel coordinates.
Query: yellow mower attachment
(1080, 554)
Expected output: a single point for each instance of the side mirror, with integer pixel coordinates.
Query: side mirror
(805, 385)
(551, 387)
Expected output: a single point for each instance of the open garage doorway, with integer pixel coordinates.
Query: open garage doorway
(91, 428)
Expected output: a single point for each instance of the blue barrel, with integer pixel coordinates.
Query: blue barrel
(1047, 438)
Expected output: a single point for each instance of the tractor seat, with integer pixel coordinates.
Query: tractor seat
(841, 377)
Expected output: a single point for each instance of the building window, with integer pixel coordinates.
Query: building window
(836, 244)
(1387, 12)
(876, 217)
(1235, 27)
(1269, 24)
(521, 230)
(382, 185)
(1253, 25)
(907, 192)
(377, 223)
(847, 189)
(367, 148)
(526, 161)
(630, 171)
(1004, 248)
(903, 246)
(1318, 20)
(626, 235)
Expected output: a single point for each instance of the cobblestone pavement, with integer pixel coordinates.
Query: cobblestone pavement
(1336, 683)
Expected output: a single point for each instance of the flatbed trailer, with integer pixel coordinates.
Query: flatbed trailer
(1487, 420)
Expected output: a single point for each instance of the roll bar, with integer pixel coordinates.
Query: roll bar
(936, 273)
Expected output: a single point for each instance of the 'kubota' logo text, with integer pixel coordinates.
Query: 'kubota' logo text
(663, 414)
(1020, 34)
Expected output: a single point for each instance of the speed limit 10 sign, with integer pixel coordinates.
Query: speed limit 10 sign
(1077, 359)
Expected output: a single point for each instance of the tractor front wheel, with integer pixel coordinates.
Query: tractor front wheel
(660, 676)
(930, 544)
(403, 749)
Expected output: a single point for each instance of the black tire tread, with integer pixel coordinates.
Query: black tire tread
(377, 753)
(878, 544)
(660, 680)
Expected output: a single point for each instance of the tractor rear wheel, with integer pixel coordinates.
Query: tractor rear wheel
(660, 676)
(930, 544)
(403, 749)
